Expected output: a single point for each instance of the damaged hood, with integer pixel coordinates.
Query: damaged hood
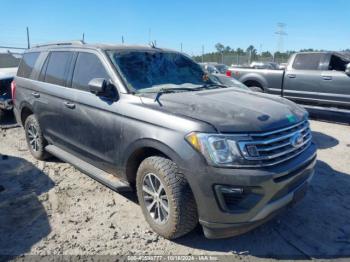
(230, 110)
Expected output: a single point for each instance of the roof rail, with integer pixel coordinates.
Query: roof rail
(77, 42)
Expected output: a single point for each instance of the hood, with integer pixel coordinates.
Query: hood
(231, 110)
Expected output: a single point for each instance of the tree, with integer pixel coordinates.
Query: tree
(252, 53)
(240, 51)
(219, 47)
(266, 54)
(227, 49)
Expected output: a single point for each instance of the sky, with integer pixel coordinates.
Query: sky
(317, 24)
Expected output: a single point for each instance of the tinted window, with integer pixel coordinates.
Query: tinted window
(337, 63)
(307, 61)
(58, 67)
(26, 66)
(87, 67)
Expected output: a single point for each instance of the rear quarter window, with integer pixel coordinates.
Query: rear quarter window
(307, 61)
(27, 64)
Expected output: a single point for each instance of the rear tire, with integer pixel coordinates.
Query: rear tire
(182, 216)
(35, 139)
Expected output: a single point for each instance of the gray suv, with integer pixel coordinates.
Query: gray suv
(149, 119)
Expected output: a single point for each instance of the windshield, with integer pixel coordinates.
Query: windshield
(154, 70)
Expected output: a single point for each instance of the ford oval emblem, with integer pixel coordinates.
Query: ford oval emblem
(297, 140)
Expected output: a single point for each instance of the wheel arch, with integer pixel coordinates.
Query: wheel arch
(25, 111)
(140, 150)
(253, 80)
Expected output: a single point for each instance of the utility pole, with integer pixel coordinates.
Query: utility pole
(181, 47)
(28, 40)
(122, 39)
(202, 53)
(83, 38)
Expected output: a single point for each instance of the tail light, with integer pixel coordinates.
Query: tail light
(13, 90)
(228, 73)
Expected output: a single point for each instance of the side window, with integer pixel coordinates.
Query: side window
(58, 67)
(336, 63)
(27, 64)
(43, 69)
(307, 61)
(87, 67)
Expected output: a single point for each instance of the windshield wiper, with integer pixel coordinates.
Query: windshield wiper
(210, 85)
(171, 90)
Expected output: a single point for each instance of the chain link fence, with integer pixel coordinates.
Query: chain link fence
(237, 59)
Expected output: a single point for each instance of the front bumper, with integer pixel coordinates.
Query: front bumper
(6, 103)
(268, 191)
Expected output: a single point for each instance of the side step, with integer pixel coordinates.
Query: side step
(101, 176)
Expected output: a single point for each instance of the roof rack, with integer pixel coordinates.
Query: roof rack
(77, 42)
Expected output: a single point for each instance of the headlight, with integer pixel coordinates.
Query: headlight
(218, 150)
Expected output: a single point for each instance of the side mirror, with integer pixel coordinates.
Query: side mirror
(97, 86)
(347, 69)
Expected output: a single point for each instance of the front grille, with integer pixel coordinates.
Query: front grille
(272, 148)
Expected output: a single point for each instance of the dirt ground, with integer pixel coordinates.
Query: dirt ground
(50, 208)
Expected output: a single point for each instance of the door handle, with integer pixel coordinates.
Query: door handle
(69, 105)
(36, 95)
(326, 77)
(292, 75)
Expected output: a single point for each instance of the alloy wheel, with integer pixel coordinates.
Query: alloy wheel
(33, 137)
(155, 198)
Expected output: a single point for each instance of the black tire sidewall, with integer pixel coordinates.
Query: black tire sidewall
(41, 154)
(162, 229)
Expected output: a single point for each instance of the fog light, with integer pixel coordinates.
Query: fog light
(236, 199)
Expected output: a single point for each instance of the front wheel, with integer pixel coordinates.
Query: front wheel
(165, 198)
(35, 139)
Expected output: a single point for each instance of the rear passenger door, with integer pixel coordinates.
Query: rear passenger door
(89, 124)
(50, 93)
(302, 79)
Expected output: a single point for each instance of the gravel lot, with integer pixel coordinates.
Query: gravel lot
(51, 208)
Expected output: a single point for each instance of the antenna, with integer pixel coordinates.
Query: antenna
(281, 33)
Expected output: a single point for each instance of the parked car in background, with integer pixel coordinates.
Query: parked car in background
(146, 118)
(209, 68)
(313, 79)
(8, 69)
(228, 81)
(222, 68)
(214, 68)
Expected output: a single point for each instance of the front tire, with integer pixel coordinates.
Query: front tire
(165, 198)
(35, 139)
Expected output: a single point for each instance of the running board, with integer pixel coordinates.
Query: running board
(101, 176)
(326, 109)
